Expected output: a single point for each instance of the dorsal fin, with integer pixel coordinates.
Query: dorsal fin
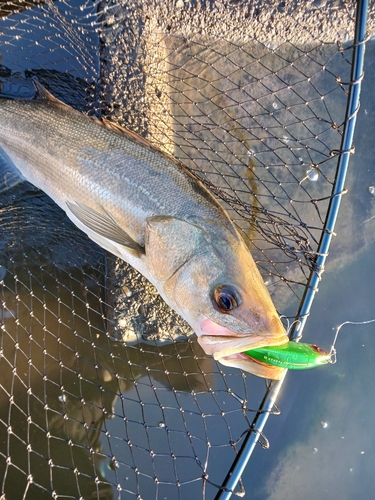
(138, 139)
(133, 136)
(115, 127)
(42, 94)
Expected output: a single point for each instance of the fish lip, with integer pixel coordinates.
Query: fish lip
(237, 344)
(253, 366)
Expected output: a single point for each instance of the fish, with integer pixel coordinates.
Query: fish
(145, 207)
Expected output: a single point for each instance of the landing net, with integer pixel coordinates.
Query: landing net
(104, 391)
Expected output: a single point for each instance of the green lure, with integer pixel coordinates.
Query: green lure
(292, 355)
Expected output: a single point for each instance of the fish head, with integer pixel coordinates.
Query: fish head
(215, 285)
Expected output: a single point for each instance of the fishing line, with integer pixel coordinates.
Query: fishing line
(333, 352)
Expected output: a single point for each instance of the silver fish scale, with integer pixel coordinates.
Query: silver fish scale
(72, 157)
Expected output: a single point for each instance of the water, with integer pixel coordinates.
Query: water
(322, 445)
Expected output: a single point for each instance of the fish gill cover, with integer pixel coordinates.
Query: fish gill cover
(104, 391)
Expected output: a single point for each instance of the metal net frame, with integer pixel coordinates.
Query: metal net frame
(89, 410)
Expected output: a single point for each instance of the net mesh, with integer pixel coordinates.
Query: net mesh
(258, 116)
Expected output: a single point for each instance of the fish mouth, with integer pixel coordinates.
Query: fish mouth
(253, 366)
(228, 348)
(220, 341)
(220, 346)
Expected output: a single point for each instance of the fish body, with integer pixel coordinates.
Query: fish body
(144, 207)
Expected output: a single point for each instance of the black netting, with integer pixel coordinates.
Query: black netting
(253, 101)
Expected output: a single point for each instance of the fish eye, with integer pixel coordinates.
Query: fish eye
(225, 299)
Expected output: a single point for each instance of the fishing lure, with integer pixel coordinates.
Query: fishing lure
(292, 355)
(299, 356)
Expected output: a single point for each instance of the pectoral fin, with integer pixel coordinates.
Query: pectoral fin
(9, 174)
(104, 225)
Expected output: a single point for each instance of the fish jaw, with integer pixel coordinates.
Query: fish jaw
(250, 365)
(227, 347)
(221, 342)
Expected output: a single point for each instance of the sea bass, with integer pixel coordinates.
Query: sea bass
(146, 208)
